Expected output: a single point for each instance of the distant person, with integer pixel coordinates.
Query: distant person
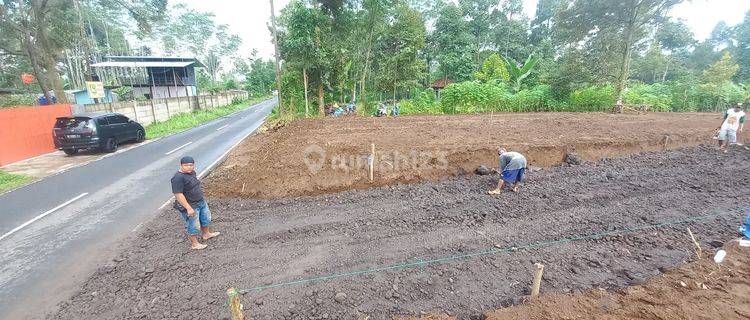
(512, 168)
(189, 201)
(382, 110)
(734, 120)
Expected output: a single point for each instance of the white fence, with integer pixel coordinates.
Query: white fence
(155, 110)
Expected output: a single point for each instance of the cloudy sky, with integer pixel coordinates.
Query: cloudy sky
(249, 18)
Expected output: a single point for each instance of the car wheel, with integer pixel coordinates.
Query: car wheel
(111, 145)
(70, 152)
(140, 136)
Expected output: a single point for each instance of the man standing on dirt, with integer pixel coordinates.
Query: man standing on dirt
(512, 168)
(734, 120)
(190, 203)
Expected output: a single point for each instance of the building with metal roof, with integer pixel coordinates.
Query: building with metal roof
(151, 77)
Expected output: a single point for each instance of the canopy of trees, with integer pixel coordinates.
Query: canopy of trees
(337, 51)
(364, 50)
(57, 41)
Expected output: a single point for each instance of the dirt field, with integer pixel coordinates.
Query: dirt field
(446, 232)
(701, 290)
(417, 148)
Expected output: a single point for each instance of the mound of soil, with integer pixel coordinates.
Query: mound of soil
(700, 290)
(266, 246)
(320, 156)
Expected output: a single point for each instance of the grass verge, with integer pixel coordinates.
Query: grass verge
(188, 120)
(11, 181)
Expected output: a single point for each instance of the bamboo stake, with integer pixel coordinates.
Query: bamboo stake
(372, 162)
(698, 250)
(537, 280)
(234, 304)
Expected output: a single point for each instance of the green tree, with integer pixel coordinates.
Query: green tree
(722, 36)
(399, 64)
(742, 34)
(494, 68)
(299, 38)
(510, 29)
(518, 73)
(718, 81)
(455, 47)
(623, 23)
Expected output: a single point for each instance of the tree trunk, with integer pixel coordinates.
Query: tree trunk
(363, 92)
(321, 99)
(33, 58)
(276, 55)
(341, 92)
(51, 65)
(666, 70)
(307, 104)
(354, 93)
(627, 51)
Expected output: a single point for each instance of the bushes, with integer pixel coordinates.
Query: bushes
(688, 95)
(422, 102)
(15, 100)
(472, 96)
(595, 98)
(658, 96)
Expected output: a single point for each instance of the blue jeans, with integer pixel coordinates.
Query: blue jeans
(202, 218)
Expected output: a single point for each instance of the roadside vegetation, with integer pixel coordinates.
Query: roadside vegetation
(188, 120)
(485, 56)
(10, 181)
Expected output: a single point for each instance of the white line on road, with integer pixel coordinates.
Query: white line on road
(222, 127)
(178, 148)
(166, 203)
(42, 215)
(136, 227)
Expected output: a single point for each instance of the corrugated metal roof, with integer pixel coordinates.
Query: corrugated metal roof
(145, 64)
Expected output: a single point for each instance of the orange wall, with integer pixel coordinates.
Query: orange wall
(26, 132)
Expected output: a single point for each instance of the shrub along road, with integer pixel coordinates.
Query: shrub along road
(56, 231)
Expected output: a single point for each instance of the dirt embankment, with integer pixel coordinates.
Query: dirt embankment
(311, 157)
(267, 245)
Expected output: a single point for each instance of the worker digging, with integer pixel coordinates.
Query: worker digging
(512, 170)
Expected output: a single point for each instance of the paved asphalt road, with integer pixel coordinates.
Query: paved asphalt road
(46, 260)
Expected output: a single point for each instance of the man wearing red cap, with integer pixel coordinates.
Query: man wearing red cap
(189, 201)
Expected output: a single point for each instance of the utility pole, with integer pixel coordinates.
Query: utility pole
(276, 53)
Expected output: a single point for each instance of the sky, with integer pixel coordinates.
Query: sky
(249, 19)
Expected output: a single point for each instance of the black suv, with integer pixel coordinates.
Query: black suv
(102, 131)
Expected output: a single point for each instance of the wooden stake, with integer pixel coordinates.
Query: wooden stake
(537, 280)
(698, 250)
(234, 304)
(372, 162)
(243, 188)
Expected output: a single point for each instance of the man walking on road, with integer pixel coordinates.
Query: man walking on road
(190, 203)
(512, 168)
(734, 120)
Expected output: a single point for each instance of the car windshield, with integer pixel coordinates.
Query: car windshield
(72, 123)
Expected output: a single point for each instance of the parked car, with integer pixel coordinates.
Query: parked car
(98, 131)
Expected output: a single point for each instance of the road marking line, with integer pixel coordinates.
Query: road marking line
(178, 148)
(42, 215)
(136, 227)
(222, 127)
(166, 203)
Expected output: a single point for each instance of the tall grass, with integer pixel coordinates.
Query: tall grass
(185, 121)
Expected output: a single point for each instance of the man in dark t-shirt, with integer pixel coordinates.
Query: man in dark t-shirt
(190, 203)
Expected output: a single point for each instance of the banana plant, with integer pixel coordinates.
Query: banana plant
(517, 74)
